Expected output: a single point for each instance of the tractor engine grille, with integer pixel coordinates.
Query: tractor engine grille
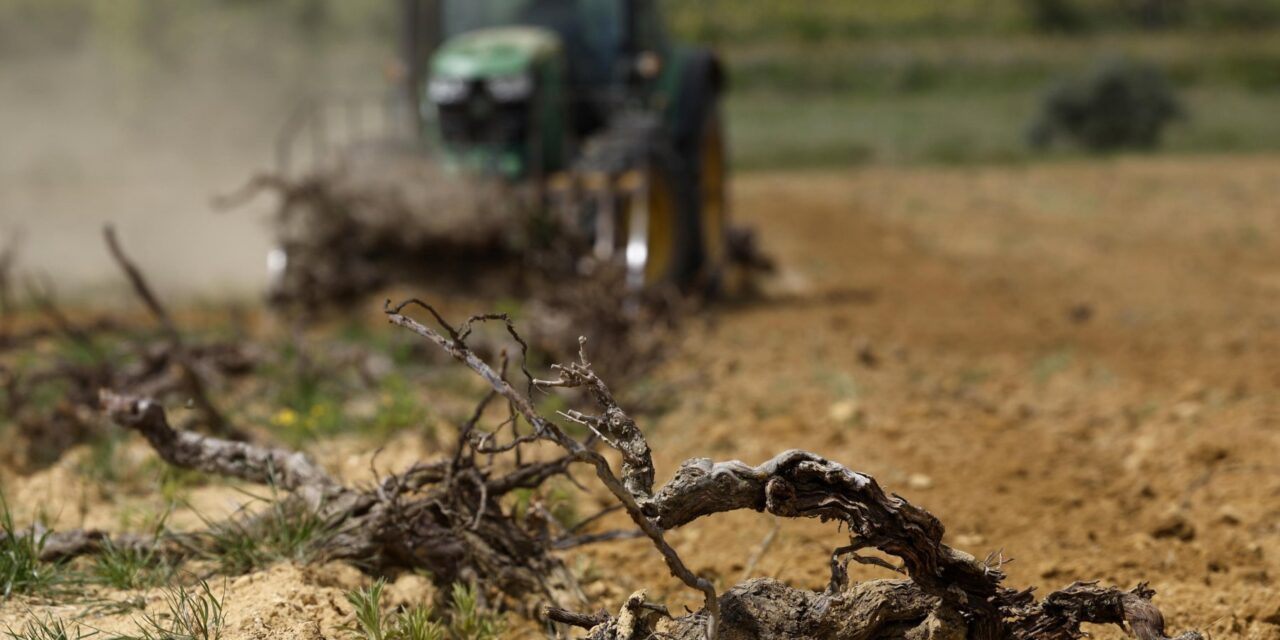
(480, 120)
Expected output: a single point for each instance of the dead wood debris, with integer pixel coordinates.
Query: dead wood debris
(372, 222)
(348, 231)
(53, 399)
(948, 594)
(446, 517)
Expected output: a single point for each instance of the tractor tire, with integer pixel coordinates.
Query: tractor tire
(701, 144)
(712, 212)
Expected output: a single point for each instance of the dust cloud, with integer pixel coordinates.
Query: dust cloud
(139, 113)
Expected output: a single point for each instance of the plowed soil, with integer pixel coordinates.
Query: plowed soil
(1075, 365)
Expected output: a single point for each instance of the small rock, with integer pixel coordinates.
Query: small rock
(919, 481)
(1174, 525)
(970, 540)
(1187, 411)
(867, 355)
(1051, 571)
(1229, 516)
(1080, 313)
(844, 411)
(1255, 576)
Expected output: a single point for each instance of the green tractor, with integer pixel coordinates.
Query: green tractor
(617, 129)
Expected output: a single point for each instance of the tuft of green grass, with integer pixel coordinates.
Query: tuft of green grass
(467, 620)
(1050, 365)
(174, 482)
(188, 614)
(130, 568)
(560, 502)
(470, 621)
(102, 464)
(417, 624)
(398, 408)
(372, 623)
(21, 570)
(47, 628)
(194, 614)
(286, 531)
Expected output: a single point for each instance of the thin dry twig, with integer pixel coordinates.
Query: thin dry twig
(194, 383)
(749, 569)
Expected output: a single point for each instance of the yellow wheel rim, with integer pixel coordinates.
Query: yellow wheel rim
(649, 221)
(661, 230)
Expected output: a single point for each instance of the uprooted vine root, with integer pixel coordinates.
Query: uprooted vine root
(947, 593)
(446, 517)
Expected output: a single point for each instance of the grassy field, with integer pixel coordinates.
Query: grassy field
(776, 129)
(971, 98)
(908, 81)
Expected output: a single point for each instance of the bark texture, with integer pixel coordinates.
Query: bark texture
(949, 594)
(446, 517)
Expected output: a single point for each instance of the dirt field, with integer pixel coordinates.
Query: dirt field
(1073, 363)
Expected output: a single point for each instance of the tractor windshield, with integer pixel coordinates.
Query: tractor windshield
(590, 29)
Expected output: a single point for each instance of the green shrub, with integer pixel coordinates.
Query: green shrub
(1120, 104)
(1055, 16)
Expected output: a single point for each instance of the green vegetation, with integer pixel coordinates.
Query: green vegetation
(971, 99)
(130, 568)
(313, 398)
(189, 615)
(466, 619)
(284, 531)
(559, 501)
(813, 84)
(398, 408)
(21, 570)
(47, 628)
(470, 622)
(1050, 365)
(1121, 104)
(960, 82)
(372, 623)
(756, 21)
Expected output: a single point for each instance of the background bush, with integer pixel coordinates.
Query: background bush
(1120, 104)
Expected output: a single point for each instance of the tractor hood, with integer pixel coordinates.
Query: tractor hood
(489, 53)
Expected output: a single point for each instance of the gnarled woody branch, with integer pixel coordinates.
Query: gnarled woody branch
(190, 377)
(288, 470)
(950, 594)
(551, 431)
(445, 518)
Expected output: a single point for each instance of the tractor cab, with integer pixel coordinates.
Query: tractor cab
(515, 85)
(590, 31)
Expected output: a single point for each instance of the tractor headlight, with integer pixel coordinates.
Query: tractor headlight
(510, 88)
(447, 90)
